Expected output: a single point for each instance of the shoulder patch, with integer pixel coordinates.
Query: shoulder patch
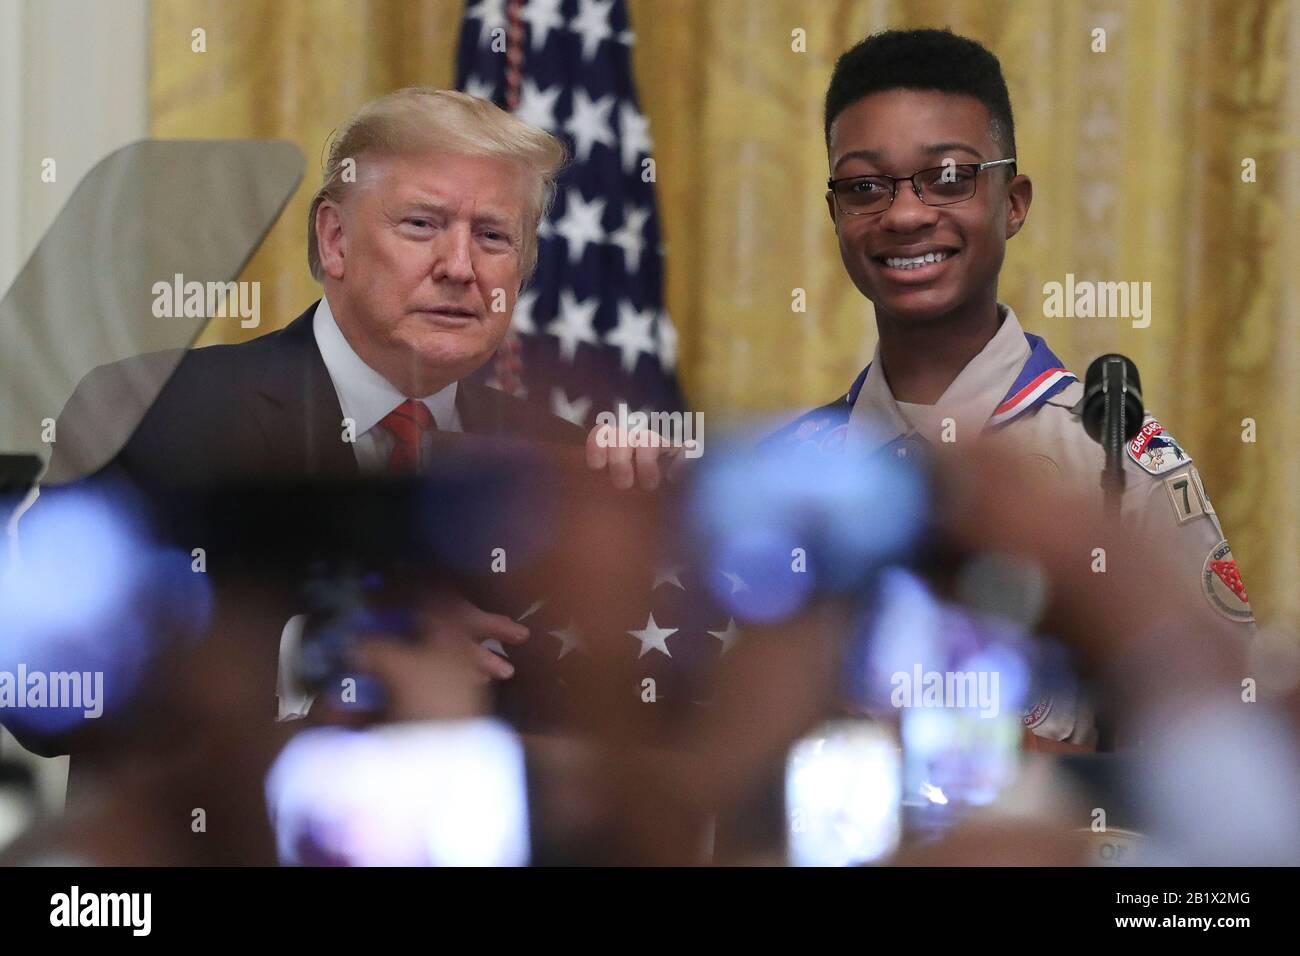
(834, 440)
(1222, 584)
(1156, 451)
(821, 427)
(821, 434)
(1188, 495)
(1037, 714)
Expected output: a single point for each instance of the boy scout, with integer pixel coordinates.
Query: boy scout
(924, 194)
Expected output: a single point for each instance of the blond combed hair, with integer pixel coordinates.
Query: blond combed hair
(422, 120)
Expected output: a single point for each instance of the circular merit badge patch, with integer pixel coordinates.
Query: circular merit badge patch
(1223, 586)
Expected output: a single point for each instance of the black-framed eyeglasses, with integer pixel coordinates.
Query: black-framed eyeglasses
(937, 186)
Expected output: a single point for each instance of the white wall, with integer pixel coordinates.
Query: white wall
(74, 87)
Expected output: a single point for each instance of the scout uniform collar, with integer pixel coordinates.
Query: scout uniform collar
(1013, 374)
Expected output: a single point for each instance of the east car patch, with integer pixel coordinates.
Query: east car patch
(1155, 450)
(1223, 586)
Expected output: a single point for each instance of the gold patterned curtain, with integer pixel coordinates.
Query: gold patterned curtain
(1136, 154)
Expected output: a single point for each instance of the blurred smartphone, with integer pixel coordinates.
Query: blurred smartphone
(953, 682)
(842, 795)
(434, 793)
(344, 606)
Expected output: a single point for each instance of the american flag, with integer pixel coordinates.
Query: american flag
(590, 332)
(675, 638)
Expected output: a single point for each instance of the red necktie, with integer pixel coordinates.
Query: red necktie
(407, 423)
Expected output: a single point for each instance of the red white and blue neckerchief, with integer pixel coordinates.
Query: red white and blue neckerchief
(1042, 376)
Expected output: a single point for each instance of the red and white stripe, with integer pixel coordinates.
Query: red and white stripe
(508, 364)
(514, 52)
(1026, 397)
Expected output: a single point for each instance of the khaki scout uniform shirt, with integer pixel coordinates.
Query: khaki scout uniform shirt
(1015, 391)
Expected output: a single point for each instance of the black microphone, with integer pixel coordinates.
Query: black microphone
(1112, 415)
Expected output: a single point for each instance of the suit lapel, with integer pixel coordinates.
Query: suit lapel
(298, 408)
(479, 412)
(489, 411)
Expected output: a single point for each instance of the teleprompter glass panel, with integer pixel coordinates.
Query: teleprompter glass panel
(152, 214)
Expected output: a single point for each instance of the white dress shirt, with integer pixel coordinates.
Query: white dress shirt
(366, 397)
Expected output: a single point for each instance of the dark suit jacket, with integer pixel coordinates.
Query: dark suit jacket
(261, 409)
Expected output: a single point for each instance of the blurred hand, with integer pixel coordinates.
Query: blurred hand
(451, 621)
(640, 456)
(442, 675)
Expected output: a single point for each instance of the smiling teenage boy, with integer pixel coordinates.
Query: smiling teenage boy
(924, 192)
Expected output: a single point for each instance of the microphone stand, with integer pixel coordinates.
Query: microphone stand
(1114, 374)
